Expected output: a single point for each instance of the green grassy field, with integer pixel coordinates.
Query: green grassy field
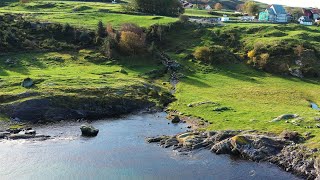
(82, 14)
(63, 72)
(253, 97)
(198, 13)
(205, 13)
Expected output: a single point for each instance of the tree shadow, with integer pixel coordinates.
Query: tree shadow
(3, 72)
(242, 72)
(19, 63)
(193, 80)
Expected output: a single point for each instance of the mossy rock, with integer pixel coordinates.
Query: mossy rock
(175, 119)
(221, 109)
(27, 83)
(123, 71)
(182, 138)
(239, 140)
(153, 93)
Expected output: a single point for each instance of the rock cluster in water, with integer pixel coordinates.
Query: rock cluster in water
(21, 133)
(281, 150)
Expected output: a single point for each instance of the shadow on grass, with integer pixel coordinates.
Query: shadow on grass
(140, 64)
(3, 72)
(19, 63)
(192, 80)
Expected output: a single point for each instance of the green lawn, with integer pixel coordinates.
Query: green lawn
(82, 14)
(61, 72)
(253, 97)
(197, 13)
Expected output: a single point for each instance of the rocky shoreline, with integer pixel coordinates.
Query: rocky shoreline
(284, 150)
(22, 133)
(281, 150)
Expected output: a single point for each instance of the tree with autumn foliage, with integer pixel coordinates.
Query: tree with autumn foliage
(218, 6)
(132, 39)
(251, 8)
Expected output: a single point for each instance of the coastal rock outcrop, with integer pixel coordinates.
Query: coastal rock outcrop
(280, 150)
(52, 109)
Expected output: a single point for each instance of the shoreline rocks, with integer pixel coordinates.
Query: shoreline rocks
(21, 133)
(278, 150)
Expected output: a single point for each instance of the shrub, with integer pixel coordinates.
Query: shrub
(112, 36)
(129, 27)
(183, 18)
(218, 6)
(299, 50)
(258, 46)
(131, 43)
(84, 38)
(106, 48)
(81, 8)
(251, 54)
(202, 54)
(24, 1)
(214, 55)
(159, 7)
(263, 59)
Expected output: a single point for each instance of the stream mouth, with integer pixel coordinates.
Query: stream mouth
(120, 152)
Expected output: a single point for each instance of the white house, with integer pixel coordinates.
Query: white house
(247, 18)
(225, 18)
(304, 20)
(208, 7)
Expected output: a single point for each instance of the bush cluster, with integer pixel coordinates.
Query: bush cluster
(214, 55)
(159, 7)
(17, 34)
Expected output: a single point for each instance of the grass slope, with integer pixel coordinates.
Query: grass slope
(253, 97)
(82, 14)
(70, 73)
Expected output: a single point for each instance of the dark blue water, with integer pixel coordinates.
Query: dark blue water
(120, 152)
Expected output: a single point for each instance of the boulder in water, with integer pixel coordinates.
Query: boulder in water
(175, 119)
(88, 130)
(31, 131)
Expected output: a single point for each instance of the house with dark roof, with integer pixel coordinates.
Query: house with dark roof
(274, 13)
(313, 13)
(186, 4)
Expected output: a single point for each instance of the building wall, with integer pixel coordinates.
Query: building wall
(263, 16)
(272, 18)
(281, 18)
(306, 23)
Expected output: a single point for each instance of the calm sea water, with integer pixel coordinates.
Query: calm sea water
(120, 152)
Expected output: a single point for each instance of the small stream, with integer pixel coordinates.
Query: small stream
(120, 152)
